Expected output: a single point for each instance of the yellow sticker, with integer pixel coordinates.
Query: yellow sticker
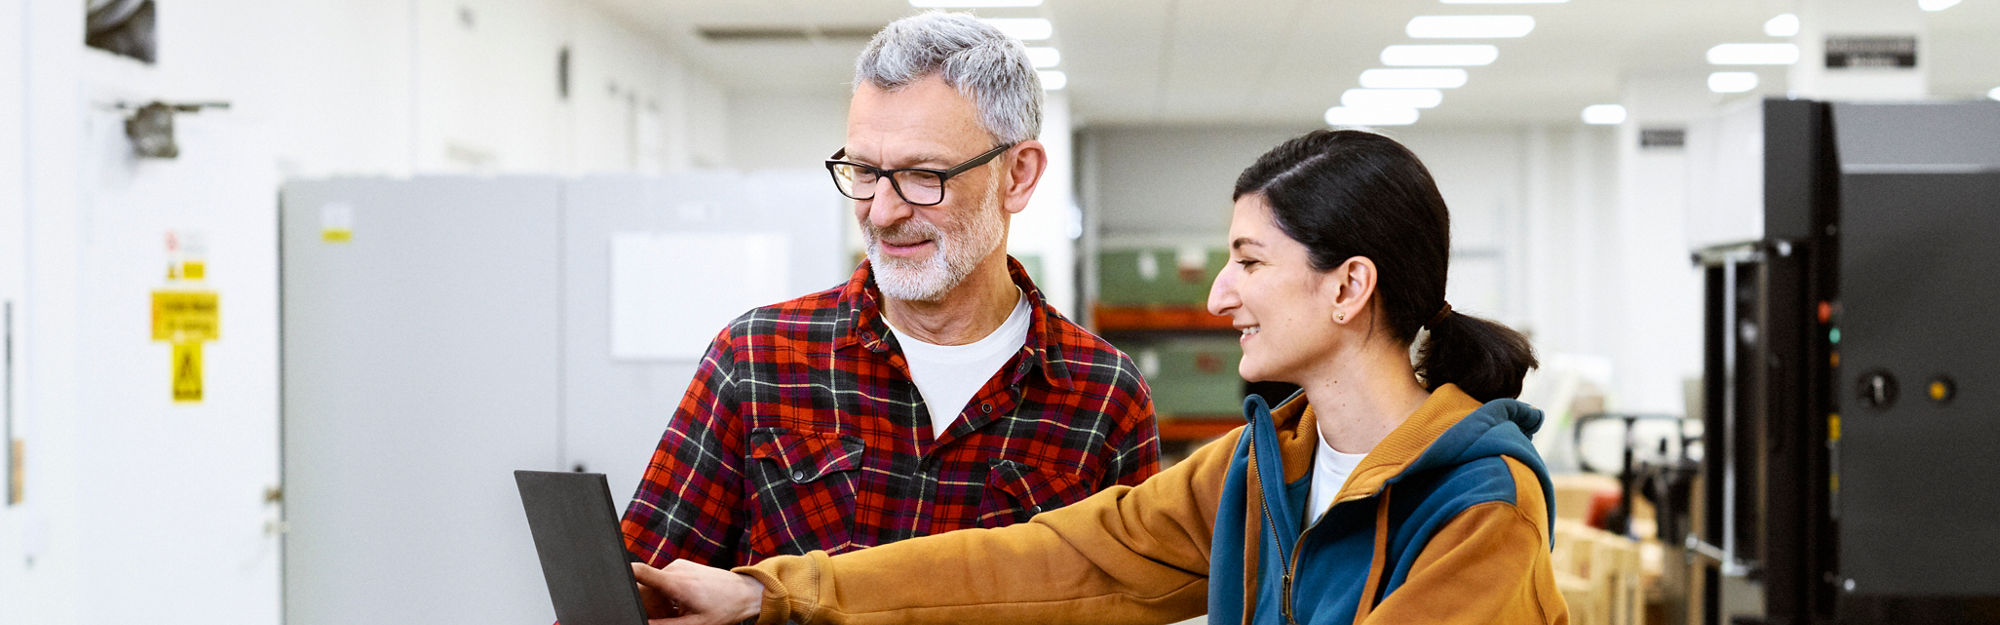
(187, 372)
(20, 448)
(336, 236)
(185, 316)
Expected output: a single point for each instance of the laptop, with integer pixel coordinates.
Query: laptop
(583, 555)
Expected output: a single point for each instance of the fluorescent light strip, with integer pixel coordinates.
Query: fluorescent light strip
(1053, 79)
(1044, 56)
(1462, 54)
(974, 4)
(1604, 114)
(1505, 1)
(1732, 82)
(1470, 26)
(1413, 78)
(1936, 5)
(1350, 116)
(1784, 25)
(1754, 54)
(1391, 98)
(1022, 28)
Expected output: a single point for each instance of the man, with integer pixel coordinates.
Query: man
(936, 390)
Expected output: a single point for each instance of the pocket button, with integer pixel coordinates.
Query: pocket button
(798, 476)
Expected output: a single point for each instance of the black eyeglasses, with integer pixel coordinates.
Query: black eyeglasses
(916, 185)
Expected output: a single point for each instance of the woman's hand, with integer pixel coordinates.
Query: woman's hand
(685, 593)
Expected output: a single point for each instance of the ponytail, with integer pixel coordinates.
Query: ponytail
(1485, 359)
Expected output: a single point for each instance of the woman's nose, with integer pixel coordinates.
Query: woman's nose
(1222, 294)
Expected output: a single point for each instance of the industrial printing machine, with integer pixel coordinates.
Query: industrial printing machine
(1851, 395)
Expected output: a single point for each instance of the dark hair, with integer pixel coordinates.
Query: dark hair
(1347, 193)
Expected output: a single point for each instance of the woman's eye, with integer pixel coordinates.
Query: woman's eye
(1246, 263)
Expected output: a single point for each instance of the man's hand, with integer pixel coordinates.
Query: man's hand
(686, 593)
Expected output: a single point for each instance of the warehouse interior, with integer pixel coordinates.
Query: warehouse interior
(406, 247)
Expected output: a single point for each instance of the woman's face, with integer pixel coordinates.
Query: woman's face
(1271, 293)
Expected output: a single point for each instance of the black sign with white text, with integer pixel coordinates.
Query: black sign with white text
(1871, 51)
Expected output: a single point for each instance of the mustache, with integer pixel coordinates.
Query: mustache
(904, 231)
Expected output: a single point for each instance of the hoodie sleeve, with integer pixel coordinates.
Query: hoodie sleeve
(1490, 564)
(1125, 555)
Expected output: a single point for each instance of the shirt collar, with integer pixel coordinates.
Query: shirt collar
(862, 323)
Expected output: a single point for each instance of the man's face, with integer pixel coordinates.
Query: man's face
(922, 252)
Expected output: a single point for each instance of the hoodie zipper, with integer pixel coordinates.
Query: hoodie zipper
(1292, 562)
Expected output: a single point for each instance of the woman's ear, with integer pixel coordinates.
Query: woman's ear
(1353, 287)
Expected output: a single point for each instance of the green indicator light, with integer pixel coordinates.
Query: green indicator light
(1833, 335)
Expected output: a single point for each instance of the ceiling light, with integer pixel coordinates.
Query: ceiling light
(1732, 82)
(1350, 116)
(1391, 98)
(1505, 1)
(1754, 54)
(1440, 55)
(1784, 25)
(1022, 28)
(973, 4)
(1053, 79)
(1413, 78)
(1469, 26)
(1044, 56)
(1604, 114)
(1936, 5)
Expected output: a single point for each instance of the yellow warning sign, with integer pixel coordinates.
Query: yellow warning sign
(185, 316)
(187, 372)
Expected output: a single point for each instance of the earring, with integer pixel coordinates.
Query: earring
(1340, 316)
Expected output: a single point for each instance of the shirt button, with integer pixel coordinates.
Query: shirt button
(986, 408)
(1034, 509)
(798, 476)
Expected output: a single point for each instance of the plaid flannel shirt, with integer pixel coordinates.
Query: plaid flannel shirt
(802, 431)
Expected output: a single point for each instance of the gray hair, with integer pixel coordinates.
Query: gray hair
(982, 63)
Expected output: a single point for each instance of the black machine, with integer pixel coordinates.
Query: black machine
(1849, 404)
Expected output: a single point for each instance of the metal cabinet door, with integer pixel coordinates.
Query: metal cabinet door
(421, 361)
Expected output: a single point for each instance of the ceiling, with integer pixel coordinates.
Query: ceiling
(1285, 61)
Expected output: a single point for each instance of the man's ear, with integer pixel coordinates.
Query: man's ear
(1026, 162)
(1353, 287)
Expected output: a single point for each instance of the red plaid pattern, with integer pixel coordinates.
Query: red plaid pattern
(802, 431)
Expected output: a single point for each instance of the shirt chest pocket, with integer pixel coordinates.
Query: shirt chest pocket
(805, 484)
(1016, 492)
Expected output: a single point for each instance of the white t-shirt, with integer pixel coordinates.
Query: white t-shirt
(948, 375)
(1330, 471)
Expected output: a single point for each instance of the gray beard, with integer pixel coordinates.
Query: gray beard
(929, 279)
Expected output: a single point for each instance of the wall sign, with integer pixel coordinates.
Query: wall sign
(1662, 138)
(1871, 51)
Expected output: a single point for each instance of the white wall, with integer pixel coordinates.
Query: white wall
(774, 131)
(121, 481)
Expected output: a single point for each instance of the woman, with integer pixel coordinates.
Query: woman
(1382, 492)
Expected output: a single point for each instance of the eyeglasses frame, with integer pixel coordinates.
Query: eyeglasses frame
(944, 175)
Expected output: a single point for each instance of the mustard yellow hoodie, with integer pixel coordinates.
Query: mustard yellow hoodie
(1445, 521)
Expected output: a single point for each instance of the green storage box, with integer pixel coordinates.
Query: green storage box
(1190, 375)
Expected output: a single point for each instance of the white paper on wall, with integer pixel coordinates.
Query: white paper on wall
(672, 292)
